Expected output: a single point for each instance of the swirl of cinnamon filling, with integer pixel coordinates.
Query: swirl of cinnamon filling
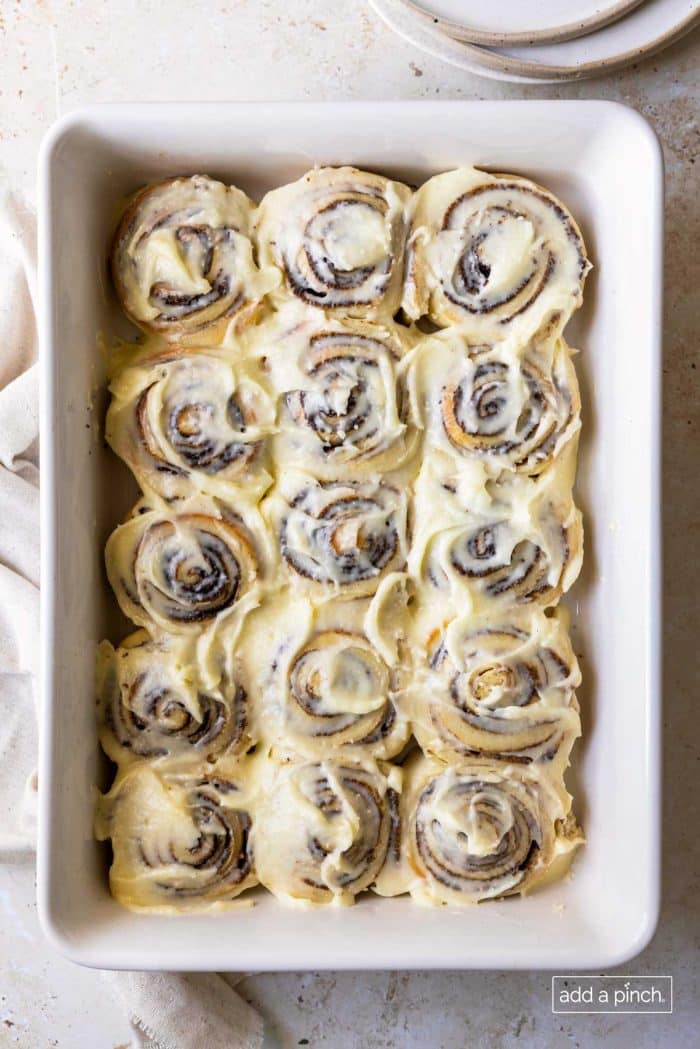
(152, 704)
(182, 258)
(500, 689)
(179, 571)
(339, 695)
(513, 412)
(337, 234)
(346, 535)
(187, 421)
(177, 839)
(523, 546)
(494, 559)
(477, 833)
(324, 830)
(492, 253)
(343, 407)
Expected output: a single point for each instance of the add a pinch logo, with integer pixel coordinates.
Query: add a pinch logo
(612, 994)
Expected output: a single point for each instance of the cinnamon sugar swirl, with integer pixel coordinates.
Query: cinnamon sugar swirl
(179, 571)
(513, 406)
(499, 687)
(343, 407)
(328, 690)
(179, 840)
(337, 235)
(476, 831)
(338, 537)
(492, 254)
(325, 829)
(189, 421)
(156, 701)
(182, 258)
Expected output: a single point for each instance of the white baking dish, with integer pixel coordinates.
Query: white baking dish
(605, 162)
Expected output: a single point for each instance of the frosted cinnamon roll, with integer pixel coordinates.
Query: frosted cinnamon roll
(338, 536)
(182, 258)
(154, 703)
(520, 565)
(524, 545)
(188, 421)
(343, 409)
(492, 254)
(179, 840)
(324, 830)
(476, 831)
(513, 406)
(337, 235)
(500, 688)
(328, 691)
(180, 571)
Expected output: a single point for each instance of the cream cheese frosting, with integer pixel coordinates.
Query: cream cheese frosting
(189, 421)
(337, 236)
(512, 405)
(324, 830)
(512, 542)
(182, 571)
(492, 254)
(343, 407)
(475, 831)
(155, 701)
(352, 670)
(324, 686)
(179, 839)
(499, 686)
(183, 259)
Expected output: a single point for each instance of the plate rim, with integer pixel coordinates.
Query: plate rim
(559, 34)
(485, 62)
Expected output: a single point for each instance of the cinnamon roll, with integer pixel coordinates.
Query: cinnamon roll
(324, 830)
(501, 561)
(180, 571)
(340, 535)
(182, 257)
(524, 545)
(492, 254)
(475, 831)
(343, 407)
(499, 688)
(514, 407)
(179, 840)
(154, 703)
(188, 421)
(337, 235)
(328, 692)
(352, 533)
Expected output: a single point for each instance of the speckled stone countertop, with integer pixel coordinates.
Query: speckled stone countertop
(57, 54)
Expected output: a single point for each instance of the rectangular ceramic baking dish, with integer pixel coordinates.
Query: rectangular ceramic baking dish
(605, 162)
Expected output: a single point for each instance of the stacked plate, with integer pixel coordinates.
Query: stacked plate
(541, 40)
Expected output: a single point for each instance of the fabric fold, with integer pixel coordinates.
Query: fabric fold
(186, 1011)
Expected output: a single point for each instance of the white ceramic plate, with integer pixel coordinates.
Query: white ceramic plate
(643, 32)
(584, 151)
(511, 22)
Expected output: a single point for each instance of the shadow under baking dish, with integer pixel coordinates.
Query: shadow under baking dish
(605, 163)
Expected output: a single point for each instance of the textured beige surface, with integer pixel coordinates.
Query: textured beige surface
(55, 55)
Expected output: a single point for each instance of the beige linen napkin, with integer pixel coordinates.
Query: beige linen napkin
(167, 1010)
(194, 1011)
(19, 527)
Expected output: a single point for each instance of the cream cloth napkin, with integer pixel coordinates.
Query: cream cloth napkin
(166, 1010)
